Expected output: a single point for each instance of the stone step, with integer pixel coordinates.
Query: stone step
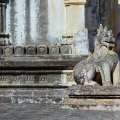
(34, 95)
(93, 97)
(81, 97)
(94, 91)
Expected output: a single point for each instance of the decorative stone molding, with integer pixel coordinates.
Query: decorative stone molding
(19, 51)
(66, 49)
(8, 51)
(75, 2)
(42, 50)
(54, 49)
(30, 50)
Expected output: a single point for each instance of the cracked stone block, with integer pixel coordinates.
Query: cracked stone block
(19, 50)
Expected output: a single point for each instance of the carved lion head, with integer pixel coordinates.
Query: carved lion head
(105, 37)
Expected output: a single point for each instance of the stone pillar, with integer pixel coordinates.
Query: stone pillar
(3, 35)
(75, 13)
(56, 20)
(27, 22)
(75, 26)
(39, 21)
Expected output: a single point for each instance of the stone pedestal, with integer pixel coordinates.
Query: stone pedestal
(39, 70)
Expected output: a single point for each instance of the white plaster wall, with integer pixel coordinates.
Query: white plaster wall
(19, 21)
(76, 27)
(26, 22)
(75, 18)
(56, 20)
(35, 13)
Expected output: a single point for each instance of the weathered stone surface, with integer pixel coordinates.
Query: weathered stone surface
(60, 95)
(53, 112)
(36, 95)
(27, 21)
(31, 50)
(36, 78)
(93, 104)
(19, 51)
(54, 50)
(90, 97)
(101, 65)
(8, 51)
(81, 42)
(66, 49)
(94, 91)
(42, 50)
(41, 61)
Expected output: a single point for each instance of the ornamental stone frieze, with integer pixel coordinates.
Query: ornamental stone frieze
(75, 2)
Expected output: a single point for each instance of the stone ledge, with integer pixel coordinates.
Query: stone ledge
(40, 61)
(94, 92)
(32, 50)
(93, 104)
(93, 97)
(33, 95)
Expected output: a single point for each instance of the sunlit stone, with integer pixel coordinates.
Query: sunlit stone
(56, 20)
(81, 43)
(27, 21)
(118, 1)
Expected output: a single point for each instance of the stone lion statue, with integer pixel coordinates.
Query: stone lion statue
(102, 66)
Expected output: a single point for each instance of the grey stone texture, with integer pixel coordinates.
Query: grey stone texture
(66, 49)
(42, 95)
(39, 50)
(42, 50)
(100, 98)
(19, 51)
(48, 112)
(8, 50)
(54, 50)
(30, 26)
(30, 50)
